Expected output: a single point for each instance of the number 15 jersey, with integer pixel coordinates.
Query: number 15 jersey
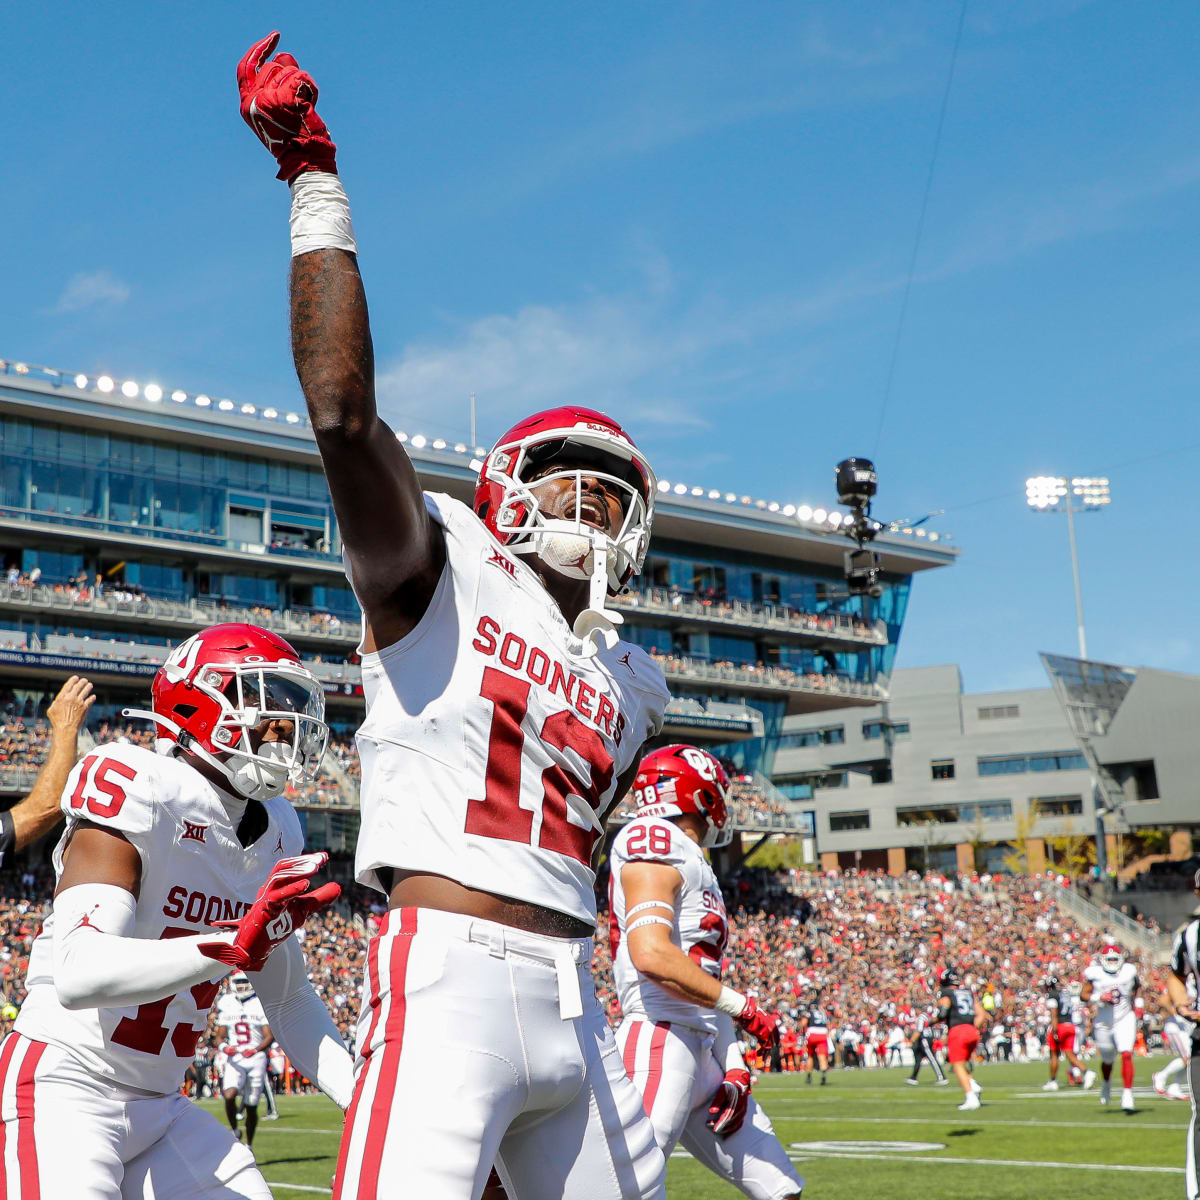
(492, 744)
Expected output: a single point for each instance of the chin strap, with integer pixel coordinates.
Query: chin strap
(597, 624)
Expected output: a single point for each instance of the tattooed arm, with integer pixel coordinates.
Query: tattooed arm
(396, 550)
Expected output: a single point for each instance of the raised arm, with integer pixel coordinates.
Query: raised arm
(395, 549)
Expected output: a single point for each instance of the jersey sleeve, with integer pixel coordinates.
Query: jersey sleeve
(1179, 957)
(651, 839)
(117, 787)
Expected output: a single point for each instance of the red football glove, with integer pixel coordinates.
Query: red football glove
(277, 103)
(727, 1108)
(248, 1052)
(282, 905)
(763, 1026)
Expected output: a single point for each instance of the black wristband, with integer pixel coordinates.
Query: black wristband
(8, 834)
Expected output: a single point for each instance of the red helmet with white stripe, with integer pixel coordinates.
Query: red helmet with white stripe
(222, 683)
(674, 780)
(571, 443)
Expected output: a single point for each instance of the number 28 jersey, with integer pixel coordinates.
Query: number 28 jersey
(493, 745)
(701, 927)
(195, 872)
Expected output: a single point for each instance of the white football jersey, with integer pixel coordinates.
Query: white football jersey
(701, 925)
(244, 1020)
(492, 745)
(1119, 985)
(194, 872)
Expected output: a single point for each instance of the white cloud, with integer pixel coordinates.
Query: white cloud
(91, 289)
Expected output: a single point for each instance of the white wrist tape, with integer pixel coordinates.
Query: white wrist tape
(725, 1045)
(96, 965)
(649, 921)
(730, 1002)
(637, 908)
(320, 214)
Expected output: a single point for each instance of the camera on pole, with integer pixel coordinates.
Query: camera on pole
(856, 485)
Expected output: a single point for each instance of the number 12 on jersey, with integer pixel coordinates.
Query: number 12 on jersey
(499, 814)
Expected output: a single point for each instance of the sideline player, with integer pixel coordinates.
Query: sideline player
(1060, 1038)
(1177, 1033)
(922, 1050)
(667, 930)
(959, 1009)
(245, 1038)
(504, 720)
(815, 1028)
(1111, 984)
(161, 849)
(39, 812)
(1183, 983)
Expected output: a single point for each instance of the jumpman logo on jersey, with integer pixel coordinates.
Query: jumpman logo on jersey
(279, 842)
(84, 923)
(624, 661)
(192, 832)
(503, 563)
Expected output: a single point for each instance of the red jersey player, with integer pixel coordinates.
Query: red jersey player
(504, 720)
(667, 931)
(160, 850)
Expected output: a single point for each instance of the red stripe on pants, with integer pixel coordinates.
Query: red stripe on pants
(10, 1045)
(629, 1058)
(656, 1056)
(393, 1043)
(375, 1003)
(26, 1150)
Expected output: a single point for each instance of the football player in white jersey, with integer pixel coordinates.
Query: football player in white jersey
(1111, 983)
(505, 718)
(245, 1040)
(667, 929)
(1177, 1033)
(176, 865)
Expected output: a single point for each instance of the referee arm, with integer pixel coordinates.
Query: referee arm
(39, 812)
(1181, 967)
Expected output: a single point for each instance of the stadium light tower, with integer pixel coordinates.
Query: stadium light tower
(1054, 493)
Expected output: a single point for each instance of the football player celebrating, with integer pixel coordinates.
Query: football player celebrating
(245, 1039)
(176, 865)
(667, 932)
(959, 1009)
(504, 720)
(1060, 1038)
(1111, 983)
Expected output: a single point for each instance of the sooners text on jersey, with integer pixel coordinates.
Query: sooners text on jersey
(492, 745)
(195, 872)
(701, 927)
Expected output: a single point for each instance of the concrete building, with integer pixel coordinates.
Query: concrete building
(935, 778)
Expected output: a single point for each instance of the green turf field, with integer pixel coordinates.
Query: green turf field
(851, 1141)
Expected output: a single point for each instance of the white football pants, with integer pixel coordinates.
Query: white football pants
(481, 1044)
(676, 1072)
(70, 1135)
(1115, 1038)
(247, 1076)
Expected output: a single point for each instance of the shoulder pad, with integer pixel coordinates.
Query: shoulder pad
(116, 786)
(652, 839)
(284, 825)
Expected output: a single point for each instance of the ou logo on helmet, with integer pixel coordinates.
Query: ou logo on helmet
(703, 764)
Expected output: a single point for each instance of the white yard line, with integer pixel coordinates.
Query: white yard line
(299, 1187)
(992, 1162)
(1032, 1124)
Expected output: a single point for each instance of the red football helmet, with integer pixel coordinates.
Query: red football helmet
(221, 683)
(586, 443)
(674, 780)
(1112, 956)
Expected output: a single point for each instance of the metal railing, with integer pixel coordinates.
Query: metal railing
(1157, 946)
(769, 679)
(188, 613)
(827, 626)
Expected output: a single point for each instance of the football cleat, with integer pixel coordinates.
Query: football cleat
(975, 1088)
(1159, 1083)
(1051, 1085)
(1175, 1092)
(970, 1103)
(912, 1082)
(1089, 1077)
(1127, 1099)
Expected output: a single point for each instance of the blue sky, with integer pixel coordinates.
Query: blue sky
(698, 217)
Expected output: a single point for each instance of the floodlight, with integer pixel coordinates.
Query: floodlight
(152, 392)
(104, 384)
(820, 516)
(129, 389)
(293, 418)
(270, 413)
(419, 442)
(179, 396)
(225, 405)
(249, 410)
(663, 486)
(681, 489)
(439, 443)
(804, 513)
(202, 401)
(81, 381)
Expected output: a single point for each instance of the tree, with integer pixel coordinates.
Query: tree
(1017, 859)
(1071, 852)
